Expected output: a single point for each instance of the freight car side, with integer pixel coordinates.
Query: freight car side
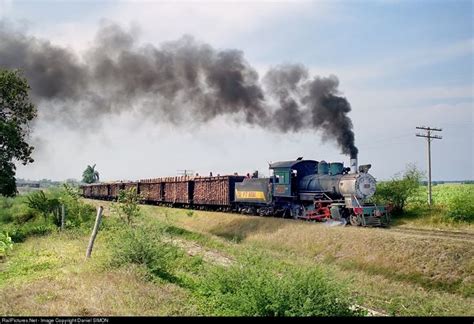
(151, 190)
(130, 185)
(87, 191)
(114, 189)
(215, 191)
(178, 190)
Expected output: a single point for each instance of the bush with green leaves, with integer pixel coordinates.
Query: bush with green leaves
(15, 210)
(77, 212)
(23, 210)
(5, 215)
(258, 288)
(22, 213)
(6, 202)
(6, 244)
(46, 206)
(127, 207)
(398, 190)
(143, 246)
(50, 203)
(20, 233)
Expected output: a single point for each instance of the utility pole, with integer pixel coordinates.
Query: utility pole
(429, 137)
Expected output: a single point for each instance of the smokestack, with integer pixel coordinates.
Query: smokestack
(354, 164)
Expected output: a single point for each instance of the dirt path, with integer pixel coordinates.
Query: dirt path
(212, 256)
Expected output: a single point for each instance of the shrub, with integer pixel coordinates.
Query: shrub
(77, 212)
(6, 202)
(6, 244)
(398, 190)
(22, 214)
(143, 246)
(41, 203)
(256, 289)
(19, 234)
(5, 216)
(127, 205)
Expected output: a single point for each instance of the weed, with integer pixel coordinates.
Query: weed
(6, 244)
(142, 245)
(19, 233)
(127, 207)
(259, 288)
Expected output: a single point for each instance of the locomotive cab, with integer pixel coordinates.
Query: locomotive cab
(287, 174)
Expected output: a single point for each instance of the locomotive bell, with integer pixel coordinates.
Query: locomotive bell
(365, 168)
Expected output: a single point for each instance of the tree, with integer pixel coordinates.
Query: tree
(126, 206)
(16, 113)
(400, 188)
(90, 175)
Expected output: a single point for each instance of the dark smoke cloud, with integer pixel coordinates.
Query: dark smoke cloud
(178, 81)
(310, 104)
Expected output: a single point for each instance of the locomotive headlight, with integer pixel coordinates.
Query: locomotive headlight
(365, 186)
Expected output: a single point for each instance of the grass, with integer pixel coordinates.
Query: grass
(49, 276)
(426, 275)
(255, 285)
(60, 282)
(188, 263)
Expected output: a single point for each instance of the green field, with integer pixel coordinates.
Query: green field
(182, 262)
(453, 207)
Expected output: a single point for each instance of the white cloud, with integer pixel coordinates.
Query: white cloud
(366, 100)
(403, 61)
(214, 22)
(221, 23)
(5, 8)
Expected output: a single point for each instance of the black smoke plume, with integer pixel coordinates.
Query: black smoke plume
(177, 81)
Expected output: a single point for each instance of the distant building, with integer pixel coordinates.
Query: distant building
(28, 184)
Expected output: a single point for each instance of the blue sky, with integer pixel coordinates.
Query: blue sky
(401, 64)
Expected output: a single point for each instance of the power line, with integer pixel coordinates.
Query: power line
(429, 137)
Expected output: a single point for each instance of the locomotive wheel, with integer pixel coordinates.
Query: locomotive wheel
(355, 220)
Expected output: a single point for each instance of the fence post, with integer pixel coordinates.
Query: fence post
(94, 231)
(62, 217)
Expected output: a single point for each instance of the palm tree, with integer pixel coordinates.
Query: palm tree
(90, 175)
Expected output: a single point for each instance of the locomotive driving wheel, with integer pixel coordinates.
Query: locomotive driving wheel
(355, 220)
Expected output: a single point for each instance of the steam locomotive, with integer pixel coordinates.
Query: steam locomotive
(299, 189)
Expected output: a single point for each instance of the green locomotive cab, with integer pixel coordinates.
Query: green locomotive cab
(287, 174)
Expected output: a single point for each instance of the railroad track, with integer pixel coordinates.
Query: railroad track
(443, 234)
